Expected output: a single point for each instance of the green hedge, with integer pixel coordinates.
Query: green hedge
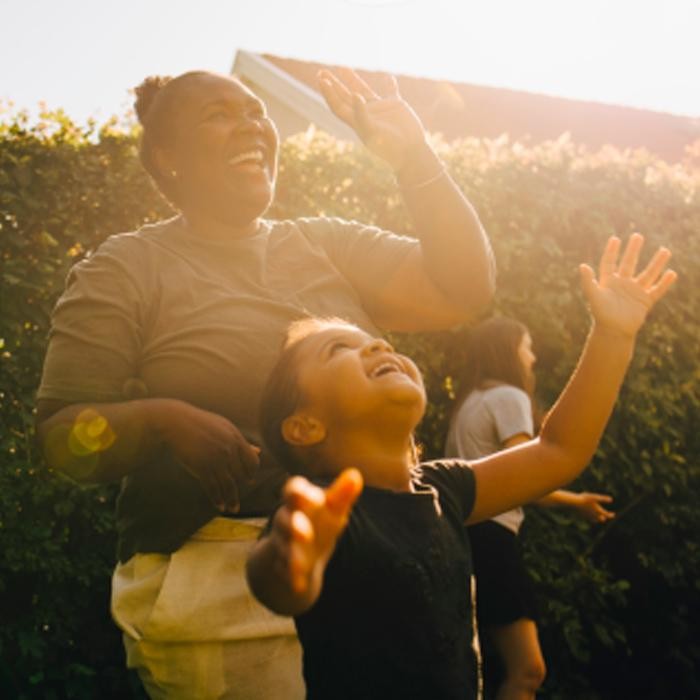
(618, 602)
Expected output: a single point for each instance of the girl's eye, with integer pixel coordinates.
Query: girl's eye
(338, 345)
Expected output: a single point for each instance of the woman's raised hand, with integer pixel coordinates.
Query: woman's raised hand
(621, 298)
(385, 123)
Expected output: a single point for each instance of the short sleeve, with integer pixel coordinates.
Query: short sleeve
(511, 410)
(365, 255)
(96, 332)
(455, 482)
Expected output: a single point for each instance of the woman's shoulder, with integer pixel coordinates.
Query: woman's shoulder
(130, 243)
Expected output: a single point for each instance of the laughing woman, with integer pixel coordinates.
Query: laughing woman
(164, 337)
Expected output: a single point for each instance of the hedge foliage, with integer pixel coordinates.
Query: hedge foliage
(620, 603)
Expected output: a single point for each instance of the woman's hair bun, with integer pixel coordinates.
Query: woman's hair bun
(145, 94)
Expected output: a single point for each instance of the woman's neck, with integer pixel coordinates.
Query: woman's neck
(213, 229)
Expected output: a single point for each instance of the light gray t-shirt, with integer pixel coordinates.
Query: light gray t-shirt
(203, 321)
(485, 420)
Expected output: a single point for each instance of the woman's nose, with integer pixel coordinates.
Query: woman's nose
(251, 125)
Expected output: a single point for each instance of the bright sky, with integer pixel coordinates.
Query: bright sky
(84, 55)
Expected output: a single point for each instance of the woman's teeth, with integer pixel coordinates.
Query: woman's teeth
(256, 156)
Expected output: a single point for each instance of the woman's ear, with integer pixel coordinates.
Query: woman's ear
(165, 162)
(303, 430)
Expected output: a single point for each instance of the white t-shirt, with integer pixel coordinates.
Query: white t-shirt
(485, 420)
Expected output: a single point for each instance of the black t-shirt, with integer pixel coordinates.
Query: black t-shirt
(394, 616)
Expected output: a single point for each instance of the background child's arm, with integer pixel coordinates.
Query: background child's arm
(586, 504)
(619, 301)
(285, 567)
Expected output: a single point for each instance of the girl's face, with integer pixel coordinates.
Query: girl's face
(348, 377)
(526, 356)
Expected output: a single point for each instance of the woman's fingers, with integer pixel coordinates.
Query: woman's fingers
(362, 120)
(338, 97)
(387, 85)
(356, 84)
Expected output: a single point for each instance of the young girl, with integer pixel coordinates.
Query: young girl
(493, 411)
(378, 583)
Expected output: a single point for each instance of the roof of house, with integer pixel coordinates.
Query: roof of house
(459, 110)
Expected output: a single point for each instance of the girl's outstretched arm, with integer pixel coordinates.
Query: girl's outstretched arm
(619, 300)
(285, 567)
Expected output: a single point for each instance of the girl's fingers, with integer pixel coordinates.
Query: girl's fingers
(651, 272)
(343, 492)
(299, 567)
(301, 494)
(608, 260)
(588, 281)
(300, 527)
(630, 258)
(662, 286)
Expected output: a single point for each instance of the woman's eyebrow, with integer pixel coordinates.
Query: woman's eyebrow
(228, 102)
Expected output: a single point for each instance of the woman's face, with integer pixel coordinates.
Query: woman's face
(225, 151)
(526, 355)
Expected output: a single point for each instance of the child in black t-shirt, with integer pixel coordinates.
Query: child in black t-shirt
(377, 578)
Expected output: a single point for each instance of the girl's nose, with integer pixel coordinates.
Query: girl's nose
(377, 345)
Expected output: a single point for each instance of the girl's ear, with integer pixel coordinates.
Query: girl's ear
(303, 430)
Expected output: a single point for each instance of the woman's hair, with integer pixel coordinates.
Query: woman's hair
(492, 355)
(156, 108)
(282, 394)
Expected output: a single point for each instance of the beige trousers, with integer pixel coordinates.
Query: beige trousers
(193, 630)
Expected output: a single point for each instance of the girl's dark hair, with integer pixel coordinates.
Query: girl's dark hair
(282, 395)
(492, 354)
(156, 108)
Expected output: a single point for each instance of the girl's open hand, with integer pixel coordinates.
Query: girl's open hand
(385, 123)
(307, 525)
(620, 298)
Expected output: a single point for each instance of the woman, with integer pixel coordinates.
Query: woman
(494, 411)
(163, 339)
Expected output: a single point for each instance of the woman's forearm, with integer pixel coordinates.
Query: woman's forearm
(101, 442)
(456, 251)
